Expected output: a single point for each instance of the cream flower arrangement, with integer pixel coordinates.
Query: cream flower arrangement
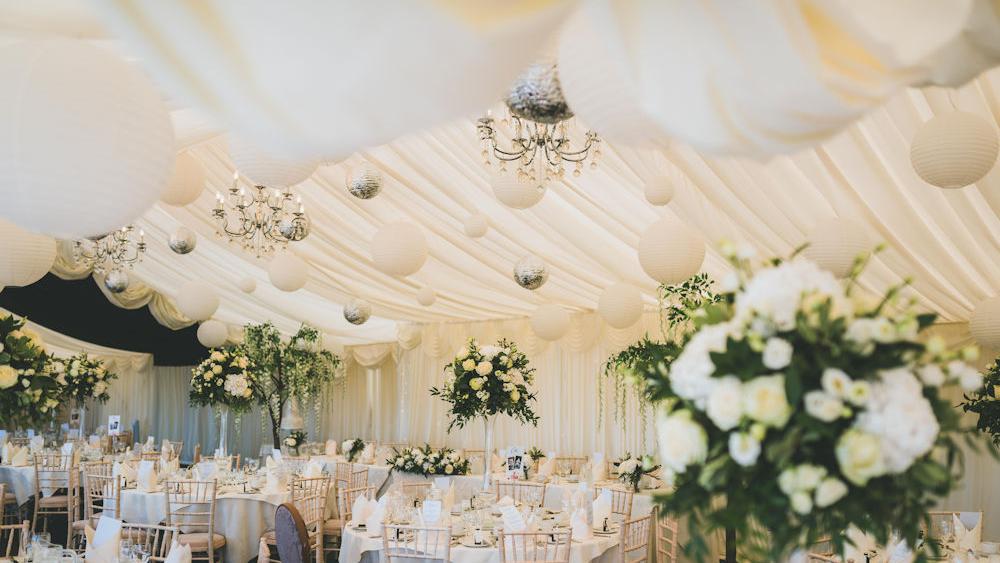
(83, 378)
(483, 381)
(428, 461)
(224, 379)
(810, 411)
(29, 395)
(352, 448)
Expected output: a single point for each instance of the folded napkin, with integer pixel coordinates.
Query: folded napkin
(104, 547)
(20, 457)
(171, 466)
(36, 444)
(448, 501)
(505, 501)
(600, 471)
(899, 553)
(362, 509)
(125, 470)
(270, 463)
(95, 441)
(67, 448)
(5, 452)
(313, 469)
(182, 553)
(146, 476)
(602, 508)
(275, 483)
(548, 467)
(968, 528)
(263, 553)
(331, 447)
(578, 523)
(150, 444)
(206, 470)
(374, 521)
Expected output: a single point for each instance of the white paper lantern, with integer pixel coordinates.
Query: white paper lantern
(399, 248)
(620, 305)
(197, 300)
(25, 257)
(267, 170)
(659, 190)
(476, 225)
(954, 149)
(835, 243)
(212, 333)
(426, 296)
(516, 193)
(187, 181)
(985, 323)
(670, 251)
(550, 322)
(86, 143)
(288, 272)
(247, 284)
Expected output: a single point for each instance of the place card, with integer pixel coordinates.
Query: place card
(513, 520)
(431, 511)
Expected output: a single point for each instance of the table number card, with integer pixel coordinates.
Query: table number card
(114, 425)
(431, 512)
(513, 520)
(515, 463)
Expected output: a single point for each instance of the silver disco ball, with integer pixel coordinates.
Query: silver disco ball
(116, 281)
(357, 311)
(293, 230)
(365, 182)
(537, 96)
(530, 272)
(183, 240)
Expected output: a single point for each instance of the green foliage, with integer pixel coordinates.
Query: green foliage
(29, 395)
(224, 379)
(427, 461)
(353, 448)
(82, 378)
(986, 403)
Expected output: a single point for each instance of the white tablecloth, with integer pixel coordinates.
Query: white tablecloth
(19, 480)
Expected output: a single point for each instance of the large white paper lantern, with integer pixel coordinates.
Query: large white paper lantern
(550, 322)
(426, 296)
(267, 170)
(512, 192)
(670, 251)
(835, 243)
(197, 300)
(659, 190)
(247, 284)
(985, 323)
(620, 305)
(288, 272)
(399, 248)
(86, 143)
(476, 225)
(954, 149)
(25, 257)
(187, 181)
(212, 333)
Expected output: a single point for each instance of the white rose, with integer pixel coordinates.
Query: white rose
(289, 441)
(8, 376)
(859, 455)
(683, 441)
(810, 476)
(764, 400)
(830, 491)
(462, 353)
(777, 353)
(216, 369)
(824, 407)
(484, 368)
(449, 469)
(744, 448)
(802, 502)
(725, 403)
(859, 393)
(883, 331)
(400, 461)
(836, 382)
(628, 466)
(469, 365)
(100, 387)
(968, 377)
(931, 374)
(515, 396)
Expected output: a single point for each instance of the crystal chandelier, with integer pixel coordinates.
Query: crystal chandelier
(536, 124)
(117, 250)
(260, 219)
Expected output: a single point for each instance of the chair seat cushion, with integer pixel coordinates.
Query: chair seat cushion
(333, 526)
(54, 501)
(199, 541)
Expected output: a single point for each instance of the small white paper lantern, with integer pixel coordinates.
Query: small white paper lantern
(288, 272)
(187, 181)
(476, 225)
(659, 190)
(25, 257)
(86, 142)
(426, 296)
(985, 323)
(212, 333)
(197, 300)
(620, 305)
(954, 149)
(267, 170)
(399, 248)
(835, 243)
(550, 322)
(670, 251)
(247, 284)
(516, 193)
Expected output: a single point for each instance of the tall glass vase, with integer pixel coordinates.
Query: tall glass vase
(83, 421)
(488, 422)
(224, 430)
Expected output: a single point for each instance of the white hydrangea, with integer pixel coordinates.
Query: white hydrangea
(777, 353)
(237, 385)
(744, 448)
(725, 403)
(488, 352)
(903, 419)
(691, 372)
(683, 441)
(777, 293)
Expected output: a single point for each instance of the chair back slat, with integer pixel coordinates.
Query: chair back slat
(575, 462)
(359, 478)
(14, 539)
(154, 538)
(521, 491)
(535, 547)
(409, 543)
(667, 538)
(621, 500)
(191, 505)
(633, 543)
(346, 498)
(101, 497)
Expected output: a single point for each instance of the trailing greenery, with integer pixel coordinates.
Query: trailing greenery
(29, 395)
(986, 403)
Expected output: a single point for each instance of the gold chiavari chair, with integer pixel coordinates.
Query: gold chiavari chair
(14, 539)
(154, 538)
(101, 497)
(8, 508)
(527, 492)
(333, 528)
(820, 558)
(150, 456)
(309, 498)
(56, 490)
(941, 521)
(191, 506)
(175, 448)
(197, 454)
(633, 543)
(667, 538)
(342, 475)
(97, 467)
(535, 547)
(621, 500)
(575, 463)
(20, 441)
(359, 478)
(416, 543)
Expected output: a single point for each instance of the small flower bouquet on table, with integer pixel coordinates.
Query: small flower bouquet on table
(295, 440)
(352, 448)
(631, 470)
(427, 461)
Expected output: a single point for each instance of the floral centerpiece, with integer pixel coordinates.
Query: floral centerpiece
(985, 402)
(428, 461)
(84, 378)
(482, 382)
(811, 411)
(225, 381)
(352, 448)
(631, 469)
(29, 394)
(295, 440)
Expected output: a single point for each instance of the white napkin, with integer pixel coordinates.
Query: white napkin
(263, 553)
(368, 454)
(448, 502)
(274, 483)
(67, 448)
(207, 470)
(362, 509)
(506, 501)
(548, 467)
(126, 471)
(966, 538)
(171, 466)
(602, 508)
(20, 457)
(899, 553)
(331, 447)
(36, 444)
(497, 463)
(578, 523)
(181, 553)
(600, 471)
(270, 463)
(313, 469)
(858, 543)
(150, 444)
(374, 521)
(104, 548)
(146, 476)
